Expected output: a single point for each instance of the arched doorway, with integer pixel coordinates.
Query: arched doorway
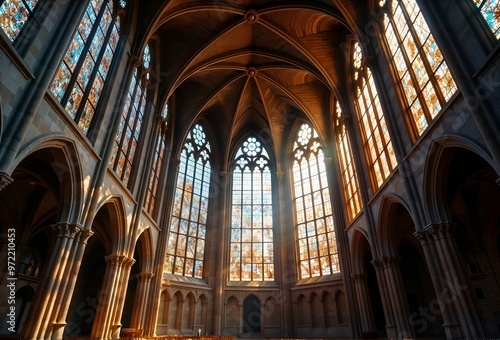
(251, 315)
(470, 192)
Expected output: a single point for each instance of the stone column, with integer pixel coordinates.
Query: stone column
(157, 280)
(285, 276)
(242, 324)
(221, 261)
(42, 315)
(390, 325)
(456, 283)
(397, 295)
(365, 305)
(104, 322)
(141, 294)
(451, 324)
(72, 272)
(121, 292)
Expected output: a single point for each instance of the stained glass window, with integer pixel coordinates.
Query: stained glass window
(422, 71)
(126, 140)
(376, 140)
(490, 9)
(154, 177)
(80, 79)
(316, 239)
(14, 14)
(186, 243)
(252, 248)
(347, 169)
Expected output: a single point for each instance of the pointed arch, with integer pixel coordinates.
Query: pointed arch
(315, 231)
(111, 222)
(188, 228)
(391, 228)
(60, 154)
(360, 246)
(437, 165)
(146, 248)
(251, 235)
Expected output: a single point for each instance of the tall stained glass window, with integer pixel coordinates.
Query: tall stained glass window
(347, 169)
(122, 157)
(154, 177)
(14, 14)
(317, 243)
(490, 9)
(422, 71)
(376, 140)
(252, 248)
(80, 79)
(186, 243)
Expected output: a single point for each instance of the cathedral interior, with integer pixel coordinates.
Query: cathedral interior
(249, 169)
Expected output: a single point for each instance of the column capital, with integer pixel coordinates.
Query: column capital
(84, 235)
(358, 278)
(5, 180)
(134, 60)
(369, 60)
(424, 237)
(385, 262)
(441, 230)
(118, 260)
(175, 161)
(144, 277)
(66, 229)
(344, 118)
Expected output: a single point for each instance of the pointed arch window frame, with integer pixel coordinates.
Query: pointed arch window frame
(313, 208)
(348, 171)
(187, 211)
(376, 140)
(251, 245)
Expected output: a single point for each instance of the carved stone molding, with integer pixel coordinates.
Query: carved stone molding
(251, 16)
(65, 229)
(358, 278)
(424, 237)
(442, 230)
(385, 262)
(146, 277)
(5, 180)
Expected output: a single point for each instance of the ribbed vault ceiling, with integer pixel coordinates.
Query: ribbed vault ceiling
(248, 63)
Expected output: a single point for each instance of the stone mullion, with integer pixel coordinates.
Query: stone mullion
(41, 314)
(365, 305)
